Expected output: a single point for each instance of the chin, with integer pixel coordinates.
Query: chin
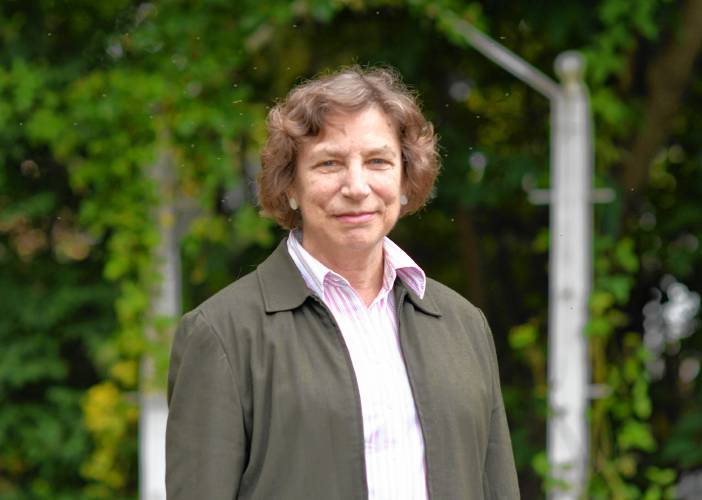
(360, 240)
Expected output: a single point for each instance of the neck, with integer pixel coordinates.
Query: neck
(362, 269)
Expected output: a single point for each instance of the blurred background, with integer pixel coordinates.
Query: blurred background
(130, 135)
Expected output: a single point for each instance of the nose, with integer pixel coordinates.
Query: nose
(355, 183)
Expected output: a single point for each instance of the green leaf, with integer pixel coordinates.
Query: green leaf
(599, 327)
(661, 477)
(522, 336)
(626, 256)
(635, 435)
(600, 301)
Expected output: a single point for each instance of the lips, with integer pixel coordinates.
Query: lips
(355, 217)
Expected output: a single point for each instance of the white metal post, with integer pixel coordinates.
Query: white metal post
(570, 253)
(569, 279)
(166, 304)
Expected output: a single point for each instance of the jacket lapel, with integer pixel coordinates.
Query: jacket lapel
(426, 304)
(281, 284)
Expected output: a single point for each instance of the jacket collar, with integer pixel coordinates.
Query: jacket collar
(284, 289)
(282, 285)
(426, 304)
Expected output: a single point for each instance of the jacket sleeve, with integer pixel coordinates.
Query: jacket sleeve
(205, 438)
(500, 475)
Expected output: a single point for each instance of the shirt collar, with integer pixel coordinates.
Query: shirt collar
(407, 269)
(313, 272)
(396, 263)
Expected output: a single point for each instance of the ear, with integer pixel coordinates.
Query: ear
(404, 185)
(292, 199)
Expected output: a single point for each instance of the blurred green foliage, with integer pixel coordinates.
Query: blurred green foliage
(93, 95)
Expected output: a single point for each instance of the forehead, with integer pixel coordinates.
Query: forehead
(370, 127)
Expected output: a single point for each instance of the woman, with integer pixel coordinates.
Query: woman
(337, 370)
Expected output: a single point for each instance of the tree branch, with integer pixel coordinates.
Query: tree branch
(668, 76)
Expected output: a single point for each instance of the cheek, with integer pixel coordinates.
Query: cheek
(390, 190)
(317, 193)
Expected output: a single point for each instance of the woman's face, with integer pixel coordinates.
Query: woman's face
(348, 183)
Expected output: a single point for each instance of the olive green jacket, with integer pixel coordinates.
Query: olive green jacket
(263, 401)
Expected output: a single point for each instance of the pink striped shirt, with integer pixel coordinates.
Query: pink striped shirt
(394, 447)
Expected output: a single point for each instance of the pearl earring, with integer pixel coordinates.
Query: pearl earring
(293, 203)
(403, 200)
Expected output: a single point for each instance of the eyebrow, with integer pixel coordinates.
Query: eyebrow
(330, 151)
(381, 151)
(340, 152)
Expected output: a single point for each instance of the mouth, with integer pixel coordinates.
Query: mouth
(355, 217)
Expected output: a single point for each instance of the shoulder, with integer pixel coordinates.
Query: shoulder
(450, 302)
(275, 286)
(241, 295)
(241, 300)
(236, 306)
(459, 314)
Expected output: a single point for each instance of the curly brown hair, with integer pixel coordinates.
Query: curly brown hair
(302, 116)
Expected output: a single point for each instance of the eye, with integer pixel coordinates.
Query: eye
(380, 162)
(328, 165)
